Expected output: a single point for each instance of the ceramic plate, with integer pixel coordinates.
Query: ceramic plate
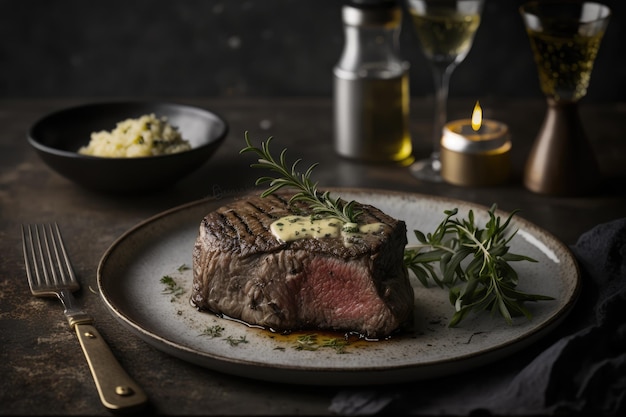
(130, 273)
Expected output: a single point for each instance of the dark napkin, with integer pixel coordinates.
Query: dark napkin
(580, 368)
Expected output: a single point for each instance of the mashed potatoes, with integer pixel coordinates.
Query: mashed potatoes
(145, 136)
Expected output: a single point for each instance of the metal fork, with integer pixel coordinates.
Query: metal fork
(50, 274)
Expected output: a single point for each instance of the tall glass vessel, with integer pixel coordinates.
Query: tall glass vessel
(371, 85)
(445, 29)
(564, 38)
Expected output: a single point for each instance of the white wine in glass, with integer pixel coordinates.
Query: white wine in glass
(565, 38)
(445, 29)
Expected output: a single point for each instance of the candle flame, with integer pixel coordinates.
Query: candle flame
(477, 117)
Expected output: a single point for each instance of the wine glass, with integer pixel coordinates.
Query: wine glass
(564, 38)
(445, 30)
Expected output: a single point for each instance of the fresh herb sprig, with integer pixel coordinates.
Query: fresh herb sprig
(321, 203)
(489, 281)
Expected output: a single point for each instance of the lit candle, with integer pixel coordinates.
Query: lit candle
(475, 151)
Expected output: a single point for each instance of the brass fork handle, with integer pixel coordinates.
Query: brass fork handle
(116, 388)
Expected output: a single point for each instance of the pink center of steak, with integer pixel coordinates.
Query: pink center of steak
(334, 294)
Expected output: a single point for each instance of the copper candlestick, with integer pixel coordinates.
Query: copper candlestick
(561, 161)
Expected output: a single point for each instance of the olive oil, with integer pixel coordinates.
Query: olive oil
(372, 117)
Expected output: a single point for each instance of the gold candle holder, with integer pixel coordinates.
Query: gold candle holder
(472, 156)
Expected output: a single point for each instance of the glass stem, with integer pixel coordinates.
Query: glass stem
(441, 76)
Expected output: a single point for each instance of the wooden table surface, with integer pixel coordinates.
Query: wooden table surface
(42, 368)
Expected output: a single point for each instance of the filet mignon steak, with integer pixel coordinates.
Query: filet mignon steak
(243, 271)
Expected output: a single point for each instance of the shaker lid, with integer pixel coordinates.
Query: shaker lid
(378, 4)
(371, 12)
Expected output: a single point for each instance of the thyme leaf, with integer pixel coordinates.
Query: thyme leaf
(307, 342)
(321, 203)
(236, 342)
(335, 343)
(172, 287)
(212, 331)
(486, 280)
(310, 342)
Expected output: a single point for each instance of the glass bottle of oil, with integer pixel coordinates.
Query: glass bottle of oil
(371, 85)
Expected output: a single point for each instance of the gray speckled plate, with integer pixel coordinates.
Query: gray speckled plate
(129, 279)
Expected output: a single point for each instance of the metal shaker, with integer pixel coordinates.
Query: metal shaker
(371, 85)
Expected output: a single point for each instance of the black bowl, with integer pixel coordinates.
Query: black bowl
(58, 136)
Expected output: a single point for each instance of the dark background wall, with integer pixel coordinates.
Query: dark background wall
(236, 48)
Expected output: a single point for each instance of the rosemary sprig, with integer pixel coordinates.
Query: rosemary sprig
(487, 281)
(322, 204)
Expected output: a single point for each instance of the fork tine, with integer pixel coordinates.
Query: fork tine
(49, 236)
(59, 244)
(25, 249)
(47, 256)
(36, 269)
(48, 267)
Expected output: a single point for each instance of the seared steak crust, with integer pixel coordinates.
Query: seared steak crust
(241, 270)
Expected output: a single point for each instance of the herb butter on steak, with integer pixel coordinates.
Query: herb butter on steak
(355, 284)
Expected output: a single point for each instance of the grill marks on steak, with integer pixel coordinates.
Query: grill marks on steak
(241, 270)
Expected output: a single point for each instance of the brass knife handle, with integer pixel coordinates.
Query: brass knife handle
(116, 388)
